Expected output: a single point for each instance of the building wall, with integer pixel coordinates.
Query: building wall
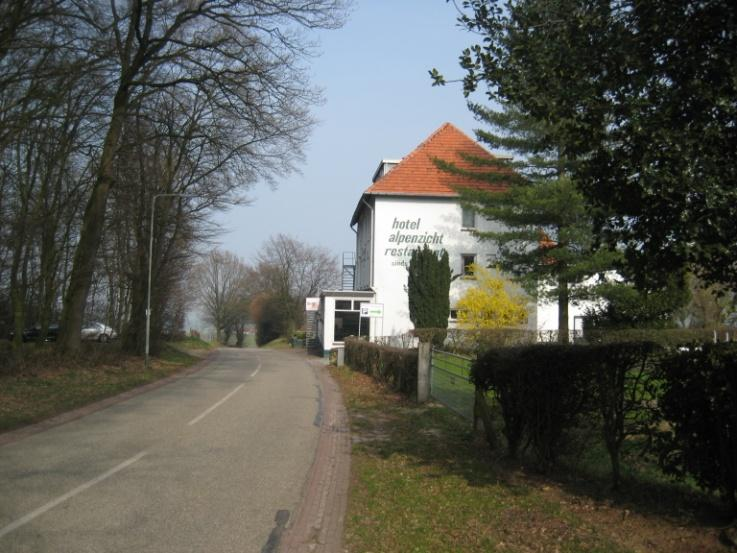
(363, 250)
(403, 224)
(328, 315)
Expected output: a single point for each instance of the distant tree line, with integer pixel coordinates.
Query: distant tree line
(270, 293)
(103, 106)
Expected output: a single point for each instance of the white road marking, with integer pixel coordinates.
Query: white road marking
(213, 407)
(51, 504)
(254, 373)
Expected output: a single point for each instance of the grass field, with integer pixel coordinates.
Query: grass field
(193, 343)
(278, 343)
(423, 482)
(48, 384)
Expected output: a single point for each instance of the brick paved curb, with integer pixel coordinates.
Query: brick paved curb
(318, 524)
(58, 420)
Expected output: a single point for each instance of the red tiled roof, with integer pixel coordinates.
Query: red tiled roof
(418, 175)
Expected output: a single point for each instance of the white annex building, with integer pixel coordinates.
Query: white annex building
(411, 202)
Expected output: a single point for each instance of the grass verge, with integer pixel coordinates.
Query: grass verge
(193, 342)
(422, 481)
(278, 343)
(48, 384)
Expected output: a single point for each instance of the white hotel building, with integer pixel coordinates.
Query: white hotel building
(411, 202)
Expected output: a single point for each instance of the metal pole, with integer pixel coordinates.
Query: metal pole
(150, 263)
(148, 291)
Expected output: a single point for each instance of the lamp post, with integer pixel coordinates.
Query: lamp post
(150, 263)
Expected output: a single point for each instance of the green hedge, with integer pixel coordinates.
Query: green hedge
(684, 399)
(544, 390)
(698, 399)
(394, 366)
(471, 341)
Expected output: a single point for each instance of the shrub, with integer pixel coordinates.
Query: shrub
(394, 366)
(542, 389)
(545, 389)
(699, 401)
(669, 338)
(428, 286)
(624, 386)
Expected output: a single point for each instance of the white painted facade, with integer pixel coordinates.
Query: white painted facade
(342, 306)
(390, 227)
(412, 203)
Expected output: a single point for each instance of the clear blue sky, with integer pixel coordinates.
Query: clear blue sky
(379, 104)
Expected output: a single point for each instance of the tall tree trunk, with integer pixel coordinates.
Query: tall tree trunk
(563, 298)
(91, 232)
(19, 260)
(134, 340)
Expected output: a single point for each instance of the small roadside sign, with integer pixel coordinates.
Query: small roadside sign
(373, 310)
(312, 304)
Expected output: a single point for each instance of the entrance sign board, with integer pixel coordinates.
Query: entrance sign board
(312, 304)
(373, 310)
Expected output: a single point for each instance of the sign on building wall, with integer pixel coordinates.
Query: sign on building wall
(407, 235)
(373, 310)
(312, 304)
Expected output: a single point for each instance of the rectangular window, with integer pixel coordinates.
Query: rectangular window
(468, 218)
(453, 314)
(467, 259)
(346, 324)
(343, 304)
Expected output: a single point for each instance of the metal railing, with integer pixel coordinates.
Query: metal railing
(450, 382)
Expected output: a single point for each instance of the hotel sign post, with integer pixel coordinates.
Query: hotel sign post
(371, 310)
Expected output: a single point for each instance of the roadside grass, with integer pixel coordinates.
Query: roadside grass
(193, 342)
(278, 343)
(48, 384)
(422, 481)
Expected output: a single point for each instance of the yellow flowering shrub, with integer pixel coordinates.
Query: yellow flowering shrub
(488, 304)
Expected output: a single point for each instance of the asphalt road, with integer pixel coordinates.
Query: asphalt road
(203, 464)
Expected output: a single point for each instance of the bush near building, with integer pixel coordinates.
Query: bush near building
(394, 366)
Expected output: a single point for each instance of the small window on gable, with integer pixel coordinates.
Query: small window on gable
(468, 218)
(467, 259)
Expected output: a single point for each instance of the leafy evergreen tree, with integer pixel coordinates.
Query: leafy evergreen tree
(428, 288)
(547, 239)
(642, 95)
(627, 307)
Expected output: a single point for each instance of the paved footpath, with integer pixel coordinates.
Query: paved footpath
(232, 457)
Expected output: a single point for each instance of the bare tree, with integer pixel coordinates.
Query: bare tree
(240, 58)
(288, 271)
(221, 282)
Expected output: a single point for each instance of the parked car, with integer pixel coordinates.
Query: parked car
(33, 333)
(98, 331)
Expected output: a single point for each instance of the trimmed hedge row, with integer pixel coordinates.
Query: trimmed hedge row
(698, 398)
(458, 340)
(394, 366)
(681, 400)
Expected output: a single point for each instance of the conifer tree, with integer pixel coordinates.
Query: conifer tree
(428, 288)
(547, 240)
